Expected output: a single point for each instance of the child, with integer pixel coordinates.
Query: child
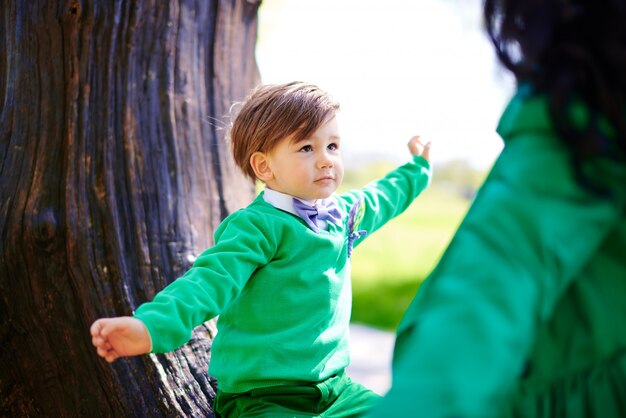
(524, 315)
(278, 274)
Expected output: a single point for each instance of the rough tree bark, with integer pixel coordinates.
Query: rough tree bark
(114, 173)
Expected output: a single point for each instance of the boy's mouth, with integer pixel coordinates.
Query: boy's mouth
(325, 178)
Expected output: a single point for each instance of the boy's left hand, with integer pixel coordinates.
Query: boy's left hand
(417, 147)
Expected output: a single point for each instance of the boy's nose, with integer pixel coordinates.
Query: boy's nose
(325, 161)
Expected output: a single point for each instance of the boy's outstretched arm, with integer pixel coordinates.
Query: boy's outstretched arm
(120, 337)
(417, 147)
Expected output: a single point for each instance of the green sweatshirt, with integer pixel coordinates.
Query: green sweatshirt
(282, 291)
(524, 315)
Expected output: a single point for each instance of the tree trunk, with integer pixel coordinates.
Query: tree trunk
(114, 174)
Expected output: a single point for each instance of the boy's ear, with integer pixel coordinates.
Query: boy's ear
(261, 166)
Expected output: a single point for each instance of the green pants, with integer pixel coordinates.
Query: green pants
(335, 397)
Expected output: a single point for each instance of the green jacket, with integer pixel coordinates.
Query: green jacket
(525, 313)
(282, 291)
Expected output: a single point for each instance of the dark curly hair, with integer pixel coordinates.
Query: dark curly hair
(570, 50)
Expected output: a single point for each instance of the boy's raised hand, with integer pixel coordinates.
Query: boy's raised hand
(417, 147)
(120, 337)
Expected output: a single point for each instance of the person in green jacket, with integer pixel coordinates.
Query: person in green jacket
(278, 274)
(525, 313)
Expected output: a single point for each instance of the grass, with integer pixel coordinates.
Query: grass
(388, 267)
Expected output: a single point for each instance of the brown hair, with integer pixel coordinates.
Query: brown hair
(273, 112)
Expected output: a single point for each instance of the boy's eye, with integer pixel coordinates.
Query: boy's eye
(333, 147)
(306, 148)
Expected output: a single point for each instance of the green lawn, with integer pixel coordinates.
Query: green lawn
(388, 268)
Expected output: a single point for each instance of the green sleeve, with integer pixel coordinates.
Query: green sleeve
(388, 197)
(217, 277)
(463, 342)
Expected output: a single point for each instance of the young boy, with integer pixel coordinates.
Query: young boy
(278, 275)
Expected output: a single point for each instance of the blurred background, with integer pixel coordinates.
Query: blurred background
(398, 68)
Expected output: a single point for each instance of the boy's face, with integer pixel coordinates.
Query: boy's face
(309, 169)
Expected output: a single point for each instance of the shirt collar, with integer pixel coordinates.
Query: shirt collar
(525, 112)
(284, 202)
(279, 200)
(530, 112)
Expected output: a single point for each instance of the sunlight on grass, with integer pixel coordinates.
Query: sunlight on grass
(388, 268)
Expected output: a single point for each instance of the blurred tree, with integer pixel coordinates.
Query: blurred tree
(459, 175)
(114, 173)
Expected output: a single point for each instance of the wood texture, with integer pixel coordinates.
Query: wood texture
(114, 173)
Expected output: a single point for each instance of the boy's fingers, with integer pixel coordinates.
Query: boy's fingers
(95, 328)
(426, 152)
(97, 341)
(103, 326)
(103, 344)
(108, 327)
(109, 355)
(102, 352)
(416, 146)
(105, 330)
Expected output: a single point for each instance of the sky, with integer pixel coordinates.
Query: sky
(398, 68)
